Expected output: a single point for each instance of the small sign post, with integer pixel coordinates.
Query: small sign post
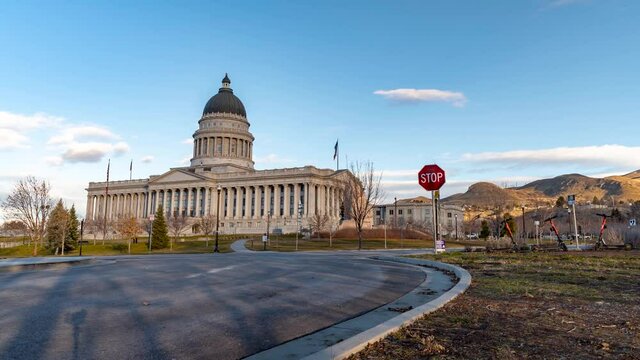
(431, 178)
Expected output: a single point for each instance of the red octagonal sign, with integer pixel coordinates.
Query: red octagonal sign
(431, 177)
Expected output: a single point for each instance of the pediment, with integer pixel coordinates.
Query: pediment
(176, 175)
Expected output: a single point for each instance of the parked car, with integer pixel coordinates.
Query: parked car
(472, 236)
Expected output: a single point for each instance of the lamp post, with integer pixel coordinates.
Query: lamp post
(215, 248)
(395, 212)
(268, 223)
(300, 208)
(456, 217)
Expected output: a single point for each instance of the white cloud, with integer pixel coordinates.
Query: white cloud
(54, 160)
(424, 95)
(13, 128)
(602, 155)
(188, 141)
(147, 159)
(11, 139)
(557, 3)
(185, 160)
(84, 143)
(91, 151)
(81, 133)
(22, 122)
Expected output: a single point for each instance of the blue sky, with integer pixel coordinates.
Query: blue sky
(502, 91)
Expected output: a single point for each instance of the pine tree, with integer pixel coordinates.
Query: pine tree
(56, 227)
(560, 201)
(73, 234)
(160, 235)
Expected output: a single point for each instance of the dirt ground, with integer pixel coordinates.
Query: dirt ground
(530, 306)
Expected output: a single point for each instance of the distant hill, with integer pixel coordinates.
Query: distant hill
(484, 194)
(623, 187)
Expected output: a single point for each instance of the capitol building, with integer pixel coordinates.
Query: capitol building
(221, 180)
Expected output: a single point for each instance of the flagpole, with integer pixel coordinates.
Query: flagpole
(337, 155)
(130, 169)
(106, 203)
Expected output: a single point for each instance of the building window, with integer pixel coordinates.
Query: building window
(409, 211)
(378, 212)
(448, 215)
(399, 212)
(390, 212)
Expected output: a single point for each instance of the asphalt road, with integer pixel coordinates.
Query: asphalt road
(223, 306)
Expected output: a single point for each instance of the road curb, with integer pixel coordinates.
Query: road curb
(43, 263)
(358, 342)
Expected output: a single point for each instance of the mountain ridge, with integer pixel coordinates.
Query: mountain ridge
(545, 191)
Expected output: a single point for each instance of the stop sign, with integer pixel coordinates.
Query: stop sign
(431, 177)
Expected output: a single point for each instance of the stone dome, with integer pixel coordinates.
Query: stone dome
(224, 101)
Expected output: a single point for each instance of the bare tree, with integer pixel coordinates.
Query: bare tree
(334, 224)
(207, 224)
(128, 228)
(91, 227)
(362, 194)
(317, 223)
(177, 224)
(30, 203)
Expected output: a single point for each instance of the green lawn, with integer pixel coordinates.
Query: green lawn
(119, 247)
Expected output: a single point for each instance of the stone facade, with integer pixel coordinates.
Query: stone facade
(221, 181)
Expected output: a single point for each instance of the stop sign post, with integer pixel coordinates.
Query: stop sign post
(431, 178)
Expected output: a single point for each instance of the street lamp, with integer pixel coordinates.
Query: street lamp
(395, 212)
(456, 216)
(300, 209)
(215, 248)
(268, 223)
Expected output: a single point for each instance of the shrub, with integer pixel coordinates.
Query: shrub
(123, 248)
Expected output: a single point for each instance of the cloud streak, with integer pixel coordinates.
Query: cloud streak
(423, 95)
(602, 155)
(13, 128)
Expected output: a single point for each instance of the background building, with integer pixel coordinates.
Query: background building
(417, 213)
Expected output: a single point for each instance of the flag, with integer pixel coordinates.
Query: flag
(131, 165)
(335, 150)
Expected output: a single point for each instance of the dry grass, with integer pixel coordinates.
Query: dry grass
(534, 305)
